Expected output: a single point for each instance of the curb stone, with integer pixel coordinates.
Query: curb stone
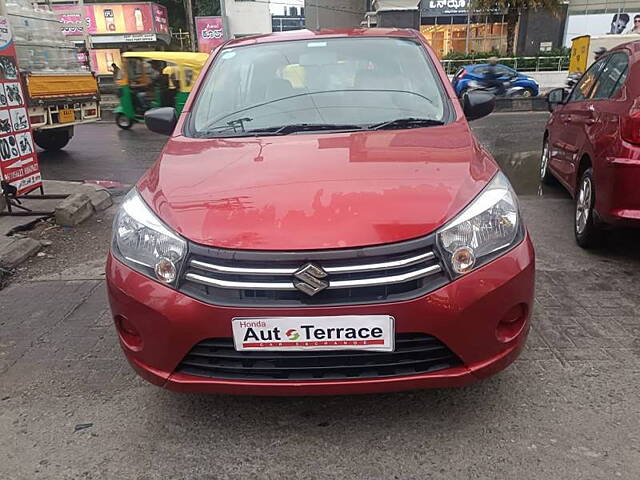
(16, 251)
(74, 210)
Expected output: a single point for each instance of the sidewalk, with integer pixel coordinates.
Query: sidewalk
(18, 238)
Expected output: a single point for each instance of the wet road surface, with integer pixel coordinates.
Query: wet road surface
(105, 152)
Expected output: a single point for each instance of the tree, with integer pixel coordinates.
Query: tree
(207, 8)
(513, 8)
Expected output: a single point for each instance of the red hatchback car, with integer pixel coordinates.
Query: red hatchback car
(592, 144)
(321, 221)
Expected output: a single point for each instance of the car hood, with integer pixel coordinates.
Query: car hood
(316, 191)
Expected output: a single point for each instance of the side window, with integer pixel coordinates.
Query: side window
(612, 77)
(583, 89)
(504, 71)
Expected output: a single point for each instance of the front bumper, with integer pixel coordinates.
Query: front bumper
(464, 315)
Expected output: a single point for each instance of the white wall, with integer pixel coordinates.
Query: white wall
(247, 17)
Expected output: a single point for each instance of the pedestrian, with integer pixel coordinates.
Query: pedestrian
(115, 69)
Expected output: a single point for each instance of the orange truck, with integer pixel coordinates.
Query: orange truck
(59, 90)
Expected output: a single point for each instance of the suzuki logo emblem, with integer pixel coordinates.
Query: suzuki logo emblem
(309, 279)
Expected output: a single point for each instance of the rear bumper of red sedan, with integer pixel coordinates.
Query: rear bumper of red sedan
(483, 318)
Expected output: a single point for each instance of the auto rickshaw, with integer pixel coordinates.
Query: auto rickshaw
(155, 79)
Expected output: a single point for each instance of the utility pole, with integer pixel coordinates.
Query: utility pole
(3, 8)
(192, 31)
(85, 26)
(225, 20)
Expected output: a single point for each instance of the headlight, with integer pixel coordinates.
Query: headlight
(485, 228)
(144, 243)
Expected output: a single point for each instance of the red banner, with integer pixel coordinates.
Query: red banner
(209, 32)
(18, 160)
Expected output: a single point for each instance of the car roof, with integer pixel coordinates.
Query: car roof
(317, 34)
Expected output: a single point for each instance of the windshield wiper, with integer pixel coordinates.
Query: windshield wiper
(409, 122)
(306, 127)
(235, 126)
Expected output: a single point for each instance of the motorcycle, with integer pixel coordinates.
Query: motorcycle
(509, 90)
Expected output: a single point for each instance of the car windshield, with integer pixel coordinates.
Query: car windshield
(328, 84)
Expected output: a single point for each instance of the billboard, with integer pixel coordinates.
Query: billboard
(209, 32)
(102, 60)
(18, 160)
(602, 24)
(114, 19)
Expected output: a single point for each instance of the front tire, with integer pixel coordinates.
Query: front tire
(587, 231)
(545, 175)
(52, 140)
(528, 92)
(123, 121)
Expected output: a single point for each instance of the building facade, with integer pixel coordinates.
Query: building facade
(321, 14)
(451, 26)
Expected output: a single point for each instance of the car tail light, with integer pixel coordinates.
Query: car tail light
(36, 119)
(630, 125)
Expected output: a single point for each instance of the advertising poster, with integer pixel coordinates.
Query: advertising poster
(114, 18)
(160, 19)
(209, 32)
(625, 23)
(18, 159)
(102, 60)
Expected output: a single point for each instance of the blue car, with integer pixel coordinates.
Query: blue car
(475, 73)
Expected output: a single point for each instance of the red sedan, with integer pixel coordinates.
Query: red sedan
(321, 221)
(592, 144)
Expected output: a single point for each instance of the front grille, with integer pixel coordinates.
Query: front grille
(415, 353)
(353, 276)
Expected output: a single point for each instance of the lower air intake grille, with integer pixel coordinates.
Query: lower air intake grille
(415, 353)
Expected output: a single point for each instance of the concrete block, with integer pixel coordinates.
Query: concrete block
(3, 202)
(74, 210)
(100, 199)
(15, 251)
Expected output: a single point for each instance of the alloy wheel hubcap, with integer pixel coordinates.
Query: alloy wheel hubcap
(545, 161)
(583, 205)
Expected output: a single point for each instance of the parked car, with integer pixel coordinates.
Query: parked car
(592, 144)
(321, 221)
(470, 74)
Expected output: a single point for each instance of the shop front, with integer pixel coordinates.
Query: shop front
(114, 28)
(450, 26)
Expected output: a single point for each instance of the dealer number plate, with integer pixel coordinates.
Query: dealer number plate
(347, 332)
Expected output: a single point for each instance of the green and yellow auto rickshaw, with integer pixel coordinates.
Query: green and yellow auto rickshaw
(155, 79)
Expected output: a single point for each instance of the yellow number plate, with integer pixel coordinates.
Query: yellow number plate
(67, 115)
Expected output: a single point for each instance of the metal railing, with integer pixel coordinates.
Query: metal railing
(522, 64)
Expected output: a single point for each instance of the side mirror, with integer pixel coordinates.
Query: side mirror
(478, 104)
(161, 120)
(555, 97)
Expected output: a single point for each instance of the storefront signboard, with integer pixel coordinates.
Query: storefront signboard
(18, 159)
(210, 33)
(115, 18)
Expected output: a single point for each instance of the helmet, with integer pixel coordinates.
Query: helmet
(493, 60)
(599, 52)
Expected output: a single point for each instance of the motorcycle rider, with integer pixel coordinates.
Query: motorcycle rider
(491, 79)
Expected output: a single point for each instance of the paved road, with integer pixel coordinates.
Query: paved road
(104, 152)
(569, 408)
